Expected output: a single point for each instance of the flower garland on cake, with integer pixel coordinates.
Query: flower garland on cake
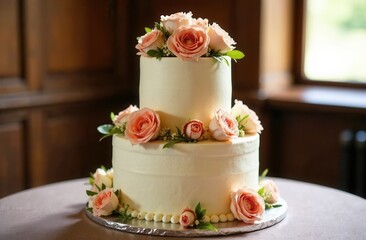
(140, 126)
(246, 204)
(187, 38)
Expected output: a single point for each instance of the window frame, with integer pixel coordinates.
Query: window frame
(299, 33)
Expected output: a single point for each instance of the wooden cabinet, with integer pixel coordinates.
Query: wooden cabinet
(62, 71)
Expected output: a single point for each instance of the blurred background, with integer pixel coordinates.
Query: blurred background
(66, 64)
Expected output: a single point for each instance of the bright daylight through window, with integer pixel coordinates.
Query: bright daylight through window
(335, 44)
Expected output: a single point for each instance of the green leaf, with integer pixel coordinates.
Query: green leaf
(269, 206)
(105, 129)
(261, 192)
(263, 175)
(197, 210)
(235, 54)
(147, 30)
(91, 179)
(171, 143)
(156, 53)
(112, 116)
(90, 193)
(207, 226)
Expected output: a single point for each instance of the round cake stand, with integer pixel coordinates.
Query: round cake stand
(271, 217)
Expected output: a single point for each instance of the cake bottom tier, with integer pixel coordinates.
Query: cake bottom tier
(154, 180)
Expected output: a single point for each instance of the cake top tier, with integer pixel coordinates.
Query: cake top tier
(181, 90)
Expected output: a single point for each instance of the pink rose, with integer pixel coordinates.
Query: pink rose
(176, 20)
(271, 191)
(246, 205)
(251, 124)
(122, 116)
(194, 129)
(142, 126)
(187, 218)
(104, 203)
(188, 42)
(223, 126)
(150, 41)
(220, 41)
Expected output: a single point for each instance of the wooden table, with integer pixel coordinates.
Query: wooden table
(56, 211)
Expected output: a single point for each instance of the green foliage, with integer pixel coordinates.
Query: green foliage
(90, 193)
(123, 215)
(235, 54)
(156, 53)
(176, 138)
(200, 213)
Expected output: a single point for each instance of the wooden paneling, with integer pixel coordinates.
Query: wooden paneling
(305, 141)
(12, 159)
(72, 146)
(9, 33)
(85, 28)
(63, 69)
(10, 46)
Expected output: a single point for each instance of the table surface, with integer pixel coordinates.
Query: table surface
(56, 211)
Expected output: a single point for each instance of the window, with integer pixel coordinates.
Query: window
(334, 41)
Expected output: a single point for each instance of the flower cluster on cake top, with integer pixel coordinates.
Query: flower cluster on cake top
(246, 204)
(140, 126)
(187, 38)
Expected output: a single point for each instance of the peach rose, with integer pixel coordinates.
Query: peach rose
(187, 218)
(194, 129)
(176, 20)
(220, 41)
(246, 205)
(150, 41)
(142, 126)
(203, 23)
(104, 203)
(188, 42)
(251, 124)
(223, 126)
(101, 177)
(271, 191)
(122, 116)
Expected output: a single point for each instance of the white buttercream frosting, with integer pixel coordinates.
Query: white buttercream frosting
(153, 179)
(182, 90)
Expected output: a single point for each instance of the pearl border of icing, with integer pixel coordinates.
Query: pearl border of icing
(173, 218)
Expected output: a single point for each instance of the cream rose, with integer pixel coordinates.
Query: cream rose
(251, 124)
(176, 20)
(142, 126)
(220, 41)
(246, 205)
(271, 191)
(122, 116)
(223, 126)
(150, 41)
(187, 218)
(188, 42)
(194, 129)
(104, 203)
(101, 178)
(203, 23)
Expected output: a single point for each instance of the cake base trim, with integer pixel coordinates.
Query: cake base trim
(271, 217)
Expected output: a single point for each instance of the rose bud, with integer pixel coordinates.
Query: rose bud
(194, 129)
(187, 218)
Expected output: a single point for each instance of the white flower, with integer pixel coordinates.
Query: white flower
(251, 123)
